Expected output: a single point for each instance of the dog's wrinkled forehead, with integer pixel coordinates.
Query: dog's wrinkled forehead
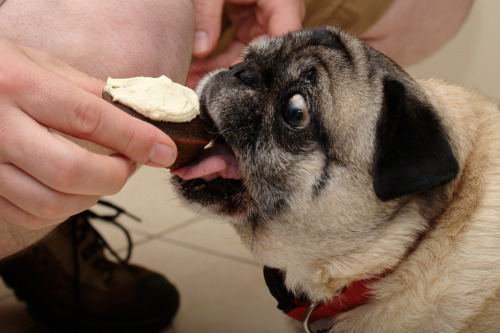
(279, 55)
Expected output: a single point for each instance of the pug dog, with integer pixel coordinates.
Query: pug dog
(372, 198)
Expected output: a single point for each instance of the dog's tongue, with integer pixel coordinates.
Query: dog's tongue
(216, 161)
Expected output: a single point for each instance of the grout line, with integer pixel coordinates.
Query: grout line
(209, 251)
(161, 237)
(150, 236)
(205, 250)
(168, 230)
(182, 225)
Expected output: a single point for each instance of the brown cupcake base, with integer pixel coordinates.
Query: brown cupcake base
(189, 137)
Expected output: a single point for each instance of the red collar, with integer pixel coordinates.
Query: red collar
(357, 294)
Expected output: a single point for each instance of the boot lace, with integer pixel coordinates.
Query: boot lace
(79, 233)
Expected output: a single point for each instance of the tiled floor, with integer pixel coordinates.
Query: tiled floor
(222, 288)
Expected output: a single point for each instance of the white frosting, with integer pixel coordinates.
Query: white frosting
(159, 98)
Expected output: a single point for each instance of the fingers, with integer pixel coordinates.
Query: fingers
(59, 163)
(207, 26)
(33, 205)
(44, 177)
(252, 18)
(56, 103)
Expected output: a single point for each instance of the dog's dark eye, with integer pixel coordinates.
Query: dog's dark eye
(296, 113)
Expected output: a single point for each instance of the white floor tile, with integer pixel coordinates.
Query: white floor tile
(150, 196)
(216, 235)
(217, 294)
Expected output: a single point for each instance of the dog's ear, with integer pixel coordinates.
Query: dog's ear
(413, 153)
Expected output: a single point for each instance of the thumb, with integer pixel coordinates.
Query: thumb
(208, 21)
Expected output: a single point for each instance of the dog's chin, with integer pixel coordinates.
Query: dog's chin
(221, 196)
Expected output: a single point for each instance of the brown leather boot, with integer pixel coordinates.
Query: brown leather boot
(68, 283)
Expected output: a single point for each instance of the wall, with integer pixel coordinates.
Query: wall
(472, 56)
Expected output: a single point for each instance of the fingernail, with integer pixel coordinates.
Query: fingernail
(200, 42)
(162, 155)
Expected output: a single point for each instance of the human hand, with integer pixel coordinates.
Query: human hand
(251, 18)
(44, 177)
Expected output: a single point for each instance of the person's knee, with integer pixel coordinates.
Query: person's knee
(107, 38)
(154, 38)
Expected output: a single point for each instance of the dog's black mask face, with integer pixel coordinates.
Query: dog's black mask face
(267, 109)
(302, 115)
